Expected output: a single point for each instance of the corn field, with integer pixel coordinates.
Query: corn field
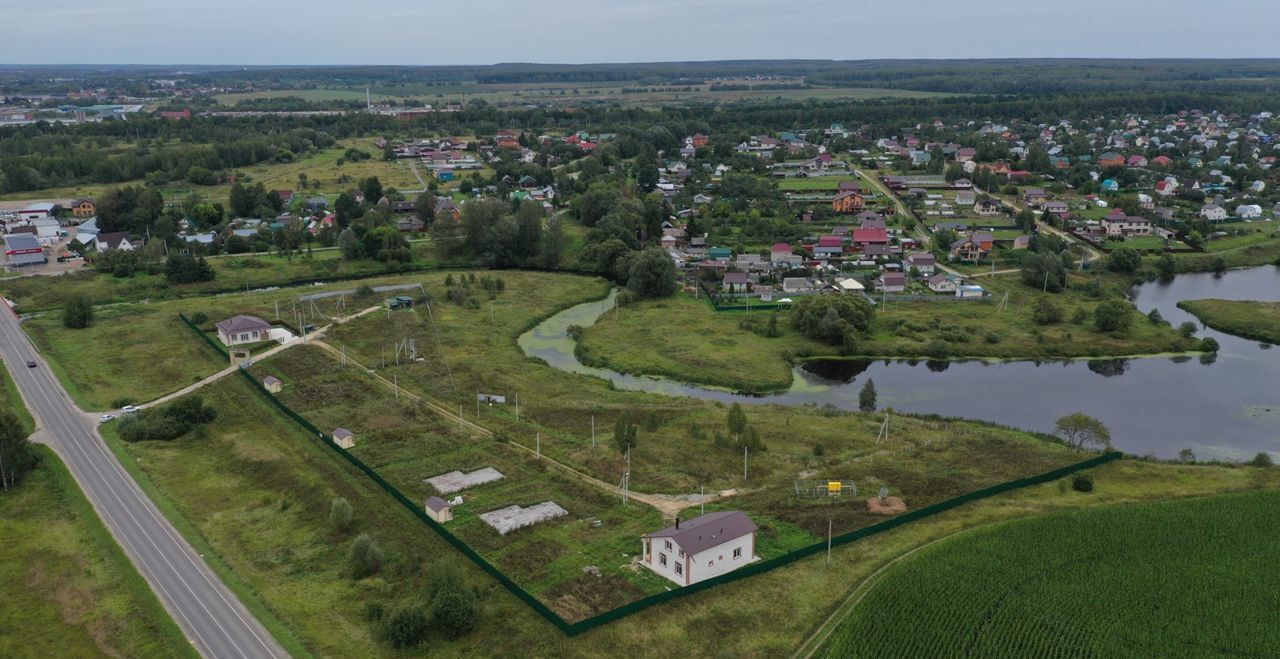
(1193, 578)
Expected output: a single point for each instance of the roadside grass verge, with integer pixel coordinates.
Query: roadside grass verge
(66, 587)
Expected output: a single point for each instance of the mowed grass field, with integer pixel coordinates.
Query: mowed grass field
(1172, 579)
(66, 588)
(233, 271)
(324, 175)
(1259, 321)
(139, 351)
(686, 339)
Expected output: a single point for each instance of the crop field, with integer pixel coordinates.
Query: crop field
(817, 183)
(564, 93)
(1175, 579)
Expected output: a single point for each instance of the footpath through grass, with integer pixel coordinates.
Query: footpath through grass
(66, 587)
(1259, 321)
(1172, 579)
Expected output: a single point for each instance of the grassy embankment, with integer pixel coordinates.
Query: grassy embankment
(686, 339)
(1234, 253)
(66, 587)
(256, 491)
(1180, 578)
(1259, 321)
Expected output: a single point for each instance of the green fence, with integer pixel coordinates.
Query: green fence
(204, 336)
(575, 628)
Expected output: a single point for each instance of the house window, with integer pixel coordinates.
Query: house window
(679, 569)
(662, 560)
(737, 553)
(668, 545)
(244, 337)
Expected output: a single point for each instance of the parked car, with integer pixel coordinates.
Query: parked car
(31, 363)
(129, 409)
(106, 417)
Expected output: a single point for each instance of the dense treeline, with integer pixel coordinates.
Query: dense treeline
(977, 76)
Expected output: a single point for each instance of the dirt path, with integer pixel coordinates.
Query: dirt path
(312, 338)
(668, 504)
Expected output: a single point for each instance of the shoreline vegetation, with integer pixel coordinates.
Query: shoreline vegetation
(683, 338)
(1257, 321)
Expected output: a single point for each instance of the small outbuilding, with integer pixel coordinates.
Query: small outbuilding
(439, 510)
(272, 383)
(344, 438)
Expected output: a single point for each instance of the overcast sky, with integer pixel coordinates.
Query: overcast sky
(578, 31)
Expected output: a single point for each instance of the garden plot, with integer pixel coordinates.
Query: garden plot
(455, 481)
(511, 518)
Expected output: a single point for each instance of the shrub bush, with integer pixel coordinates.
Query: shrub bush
(366, 557)
(1082, 483)
(340, 513)
(406, 627)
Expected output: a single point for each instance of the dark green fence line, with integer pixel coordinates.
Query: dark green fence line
(204, 336)
(715, 297)
(573, 629)
(821, 546)
(418, 511)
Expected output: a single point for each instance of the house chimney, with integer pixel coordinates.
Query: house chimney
(677, 521)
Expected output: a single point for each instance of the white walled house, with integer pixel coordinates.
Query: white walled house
(701, 548)
(243, 329)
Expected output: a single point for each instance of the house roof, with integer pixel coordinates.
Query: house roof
(877, 235)
(830, 241)
(436, 504)
(922, 258)
(707, 531)
(236, 324)
(781, 247)
(893, 278)
(113, 240)
(271, 379)
(342, 433)
(736, 278)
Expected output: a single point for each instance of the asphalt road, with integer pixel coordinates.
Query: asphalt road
(215, 622)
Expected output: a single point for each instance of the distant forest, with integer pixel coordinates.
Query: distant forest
(977, 76)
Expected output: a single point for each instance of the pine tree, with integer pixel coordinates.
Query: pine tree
(867, 397)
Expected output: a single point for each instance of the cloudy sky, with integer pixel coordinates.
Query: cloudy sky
(576, 31)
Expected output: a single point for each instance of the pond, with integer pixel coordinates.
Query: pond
(1221, 407)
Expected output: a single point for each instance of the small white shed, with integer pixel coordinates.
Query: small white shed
(344, 438)
(438, 509)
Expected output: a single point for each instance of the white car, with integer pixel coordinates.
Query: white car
(106, 417)
(129, 409)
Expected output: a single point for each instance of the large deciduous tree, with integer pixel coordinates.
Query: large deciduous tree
(1082, 431)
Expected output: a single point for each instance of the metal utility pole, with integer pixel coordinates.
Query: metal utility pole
(459, 416)
(517, 408)
(538, 450)
(477, 403)
(702, 496)
(744, 464)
